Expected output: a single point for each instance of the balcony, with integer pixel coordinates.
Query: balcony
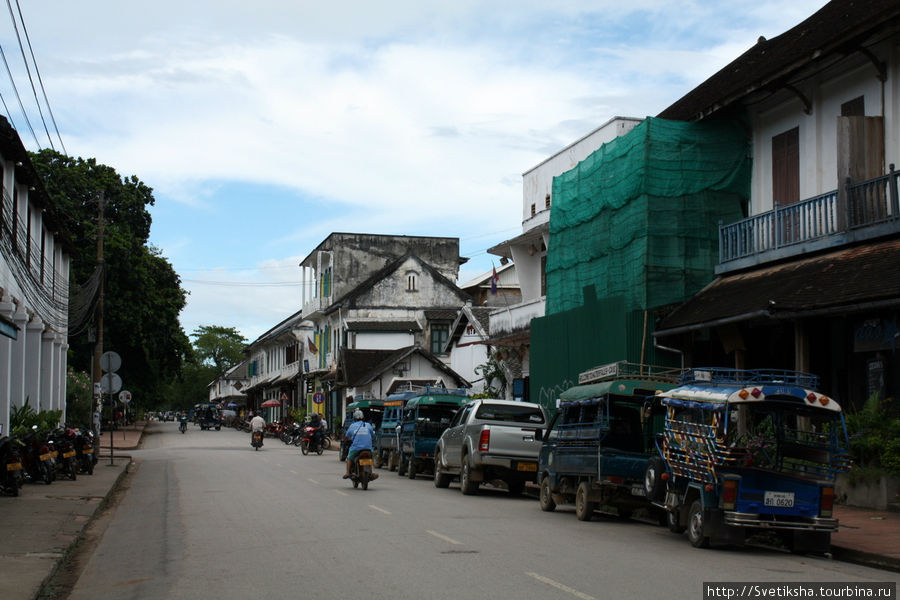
(871, 210)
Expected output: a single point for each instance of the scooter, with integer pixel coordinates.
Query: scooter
(256, 440)
(182, 427)
(361, 469)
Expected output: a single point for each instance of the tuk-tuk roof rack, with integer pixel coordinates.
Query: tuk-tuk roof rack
(724, 376)
(407, 390)
(625, 369)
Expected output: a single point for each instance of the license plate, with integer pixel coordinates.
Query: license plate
(779, 499)
(87, 450)
(48, 456)
(530, 467)
(13, 466)
(638, 490)
(69, 454)
(365, 462)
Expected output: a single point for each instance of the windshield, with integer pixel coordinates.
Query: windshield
(436, 414)
(512, 413)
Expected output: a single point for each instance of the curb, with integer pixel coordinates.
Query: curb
(67, 552)
(868, 559)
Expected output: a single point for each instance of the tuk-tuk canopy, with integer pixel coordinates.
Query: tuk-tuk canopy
(437, 400)
(622, 387)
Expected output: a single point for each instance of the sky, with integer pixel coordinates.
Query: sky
(263, 127)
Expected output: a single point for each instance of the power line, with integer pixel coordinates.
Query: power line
(40, 80)
(18, 97)
(28, 71)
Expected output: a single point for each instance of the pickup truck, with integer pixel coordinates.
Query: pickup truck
(491, 440)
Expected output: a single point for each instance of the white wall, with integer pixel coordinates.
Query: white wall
(374, 340)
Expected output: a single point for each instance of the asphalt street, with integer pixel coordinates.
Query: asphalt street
(204, 515)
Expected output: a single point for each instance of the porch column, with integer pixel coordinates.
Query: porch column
(37, 397)
(61, 362)
(6, 345)
(47, 373)
(801, 348)
(17, 360)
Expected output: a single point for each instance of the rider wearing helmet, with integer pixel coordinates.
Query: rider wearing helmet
(360, 435)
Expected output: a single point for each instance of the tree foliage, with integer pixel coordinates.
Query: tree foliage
(218, 346)
(143, 296)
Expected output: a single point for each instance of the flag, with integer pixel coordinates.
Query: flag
(312, 346)
(494, 279)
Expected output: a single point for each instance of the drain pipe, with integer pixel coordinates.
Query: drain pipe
(680, 353)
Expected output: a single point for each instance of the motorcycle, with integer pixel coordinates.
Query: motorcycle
(84, 450)
(37, 459)
(10, 468)
(64, 443)
(182, 427)
(308, 443)
(256, 439)
(361, 469)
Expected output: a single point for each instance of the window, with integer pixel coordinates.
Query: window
(440, 333)
(547, 202)
(854, 108)
(411, 281)
(786, 167)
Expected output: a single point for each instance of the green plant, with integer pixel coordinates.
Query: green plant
(874, 432)
(22, 418)
(494, 376)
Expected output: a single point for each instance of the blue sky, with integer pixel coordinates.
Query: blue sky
(263, 127)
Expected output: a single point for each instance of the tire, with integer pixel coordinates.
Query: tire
(401, 466)
(654, 486)
(441, 479)
(546, 498)
(326, 443)
(255, 447)
(392, 461)
(320, 450)
(46, 473)
(466, 485)
(355, 483)
(218, 428)
(304, 447)
(411, 468)
(673, 523)
(364, 479)
(695, 526)
(584, 508)
(72, 470)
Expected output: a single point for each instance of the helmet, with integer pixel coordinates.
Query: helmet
(358, 415)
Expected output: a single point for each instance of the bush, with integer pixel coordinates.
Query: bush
(874, 433)
(23, 418)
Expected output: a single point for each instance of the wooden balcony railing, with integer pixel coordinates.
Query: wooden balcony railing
(868, 203)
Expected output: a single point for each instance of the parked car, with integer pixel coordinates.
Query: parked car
(602, 441)
(749, 451)
(425, 418)
(490, 440)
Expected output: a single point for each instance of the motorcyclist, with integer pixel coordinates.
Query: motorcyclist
(360, 435)
(182, 422)
(318, 430)
(257, 423)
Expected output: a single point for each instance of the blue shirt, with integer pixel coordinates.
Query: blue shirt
(361, 435)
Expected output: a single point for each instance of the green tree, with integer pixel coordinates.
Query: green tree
(143, 293)
(221, 347)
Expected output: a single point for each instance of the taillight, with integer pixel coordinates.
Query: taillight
(826, 501)
(729, 494)
(484, 443)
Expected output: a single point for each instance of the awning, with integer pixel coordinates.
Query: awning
(850, 280)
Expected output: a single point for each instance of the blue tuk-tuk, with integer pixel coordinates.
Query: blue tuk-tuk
(425, 418)
(372, 410)
(387, 448)
(750, 451)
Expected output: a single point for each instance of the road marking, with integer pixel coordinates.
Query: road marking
(313, 481)
(443, 537)
(373, 507)
(277, 465)
(294, 472)
(561, 587)
(342, 493)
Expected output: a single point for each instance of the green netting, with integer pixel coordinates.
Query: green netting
(639, 217)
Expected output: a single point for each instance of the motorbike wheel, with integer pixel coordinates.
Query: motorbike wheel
(304, 447)
(71, 470)
(364, 479)
(46, 473)
(355, 482)
(320, 450)
(326, 443)
(255, 447)
(87, 465)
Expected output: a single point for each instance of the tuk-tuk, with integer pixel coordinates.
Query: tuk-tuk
(372, 410)
(750, 451)
(425, 418)
(386, 437)
(601, 442)
(208, 417)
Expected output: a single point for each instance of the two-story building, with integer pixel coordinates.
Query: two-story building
(273, 369)
(810, 279)
(34, 287)
(375, 292)
(228, 389)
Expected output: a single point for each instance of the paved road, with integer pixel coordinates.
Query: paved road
(206, 516)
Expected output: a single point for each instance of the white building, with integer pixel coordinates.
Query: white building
(34, 287)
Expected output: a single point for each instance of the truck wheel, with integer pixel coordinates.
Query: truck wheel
(673, 522)
(695, 526)
(584, 508)
(546, 498)
(466, 485)
(441, 479)
(392, 461)
(401, 466)
(411, 468)
(654, 486)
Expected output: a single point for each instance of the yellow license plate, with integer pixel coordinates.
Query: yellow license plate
(531, 467)
(69, 454)
(14, 466)
(48, 456)
(366, 462)
(87, 450)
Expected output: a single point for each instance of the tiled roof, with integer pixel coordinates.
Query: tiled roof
(383, 326)
(442, 314)
(836, 28)
(836, 282)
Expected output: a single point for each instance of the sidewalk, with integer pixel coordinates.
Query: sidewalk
(43, 524)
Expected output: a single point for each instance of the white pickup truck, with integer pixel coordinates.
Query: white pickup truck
(491, 440)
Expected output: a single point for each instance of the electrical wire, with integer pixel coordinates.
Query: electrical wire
(28, 71)
(18, 97)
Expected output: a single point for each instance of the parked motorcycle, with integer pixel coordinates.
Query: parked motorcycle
(84, 450)
(10, 468)
(37, 460)
(361, 469)
(308, 442)
(256, 440)
(64, 443)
